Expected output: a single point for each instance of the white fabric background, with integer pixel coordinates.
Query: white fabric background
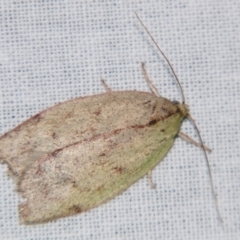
(51, 51)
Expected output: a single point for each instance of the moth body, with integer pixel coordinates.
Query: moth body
(80, 153)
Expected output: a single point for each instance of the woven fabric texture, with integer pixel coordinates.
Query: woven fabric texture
(52, 51)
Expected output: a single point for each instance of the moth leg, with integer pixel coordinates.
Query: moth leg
(107, 88)
(190, 140)
(149, 82)
(150, 181)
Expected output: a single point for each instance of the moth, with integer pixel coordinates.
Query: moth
(80, 153)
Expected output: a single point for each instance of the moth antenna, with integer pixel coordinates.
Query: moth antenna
(208, 166)
(165, 57)
(188, 116)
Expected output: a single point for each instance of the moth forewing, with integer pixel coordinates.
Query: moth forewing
(102, 166)
(79, 154)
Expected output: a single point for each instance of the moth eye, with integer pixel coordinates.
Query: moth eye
(175, 102)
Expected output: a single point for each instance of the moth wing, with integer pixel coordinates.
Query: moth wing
(85, 174)
(73, 121)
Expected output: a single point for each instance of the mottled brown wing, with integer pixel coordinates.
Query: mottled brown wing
(86, 174)
(73, 121)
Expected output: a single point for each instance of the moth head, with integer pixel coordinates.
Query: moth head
(183, 108)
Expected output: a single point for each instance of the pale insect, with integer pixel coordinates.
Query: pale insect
(79, 154)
